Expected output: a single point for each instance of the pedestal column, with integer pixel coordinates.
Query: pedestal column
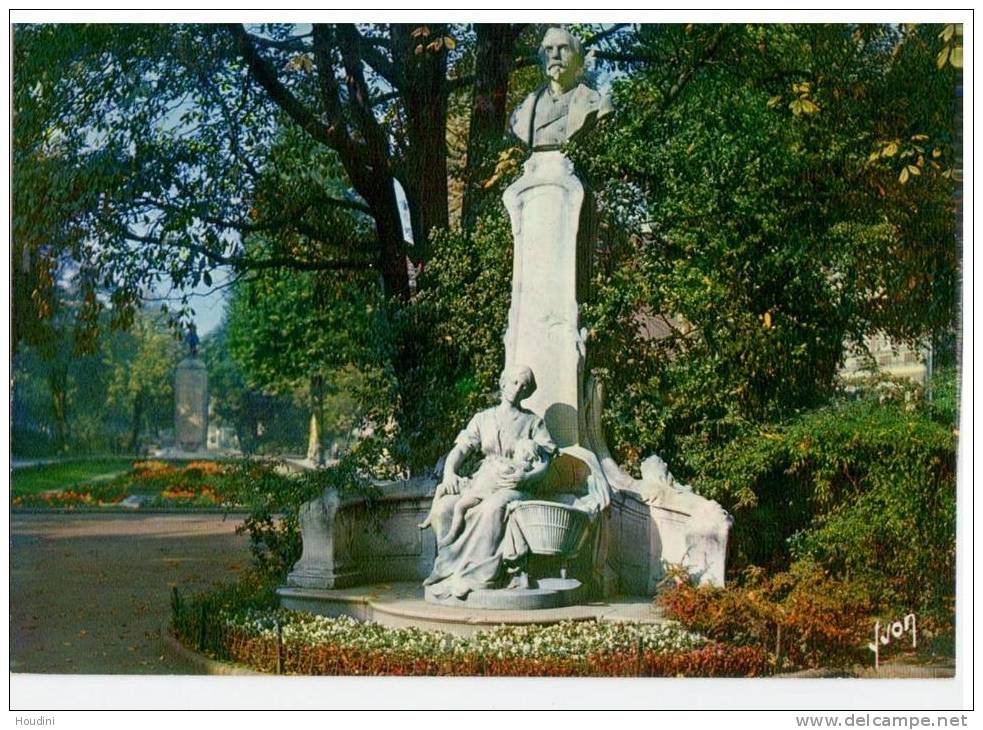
(191, 405)
(548, 263)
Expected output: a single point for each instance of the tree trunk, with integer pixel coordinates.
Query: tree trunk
(135, 424)
(378, 192)
(425, 101)
(493, 67)
(58, 386)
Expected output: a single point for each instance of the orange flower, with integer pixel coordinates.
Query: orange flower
(208, 468)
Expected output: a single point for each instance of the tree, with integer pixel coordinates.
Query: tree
(67, 398)
(255, 415)
(141, 378)
(162, 134)
(763, 219)
(291, 334)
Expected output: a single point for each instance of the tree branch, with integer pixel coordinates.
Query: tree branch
(348, 36)
(627, 57)
(687, 73)
(331, 94)
(379, 63)
(293, 43)
(266, 77)
(246, 263)
(606, 33)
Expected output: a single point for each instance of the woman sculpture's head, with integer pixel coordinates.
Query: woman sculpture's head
(517, 384)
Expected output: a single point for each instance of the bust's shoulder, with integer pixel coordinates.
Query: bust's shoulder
(593, 99)
(528, 102)
(520, 118)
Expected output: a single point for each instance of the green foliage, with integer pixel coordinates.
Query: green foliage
(944, 390)
(287, 328)
(104, 398)
(458, 320)
(864, 489)
(262, 421)
(273, 496)
(99, 484)
(758, 239)
(141, 376)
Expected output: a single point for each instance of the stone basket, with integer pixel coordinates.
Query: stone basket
(551, 528)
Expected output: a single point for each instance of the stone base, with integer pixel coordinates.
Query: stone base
(320, 580)
(402, 604)
(549, 593)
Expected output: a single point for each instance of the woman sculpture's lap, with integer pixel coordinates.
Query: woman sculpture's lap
(480, 554)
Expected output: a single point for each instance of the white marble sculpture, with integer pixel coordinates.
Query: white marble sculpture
(551, 262)
(563, 107)
(476, 554)
(547, 487)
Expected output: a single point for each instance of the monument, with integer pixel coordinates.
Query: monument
(546, 518)
(191, 399)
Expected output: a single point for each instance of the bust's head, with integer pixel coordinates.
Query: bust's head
(562, 55)
(517, 384)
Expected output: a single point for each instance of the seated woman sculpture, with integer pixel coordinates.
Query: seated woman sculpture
(477, 551)
(521, 472)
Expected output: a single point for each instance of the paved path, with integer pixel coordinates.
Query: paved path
(88, 593)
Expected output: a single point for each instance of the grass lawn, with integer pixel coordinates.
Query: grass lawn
(36, 479)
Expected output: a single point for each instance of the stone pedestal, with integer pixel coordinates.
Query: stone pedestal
(191, 405)
(548, 593)
(549, 267)
(325, 559)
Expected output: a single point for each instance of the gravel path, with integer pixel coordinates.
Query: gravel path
(89, 593)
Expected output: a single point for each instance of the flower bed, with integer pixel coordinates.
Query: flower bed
(300, 643)
(85, 495)
(162, 484)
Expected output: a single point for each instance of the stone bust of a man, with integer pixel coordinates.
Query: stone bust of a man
(563, 107)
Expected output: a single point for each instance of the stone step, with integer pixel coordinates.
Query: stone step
(402, 604)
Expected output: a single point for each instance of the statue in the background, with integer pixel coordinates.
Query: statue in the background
(191, 340)
(191, 398)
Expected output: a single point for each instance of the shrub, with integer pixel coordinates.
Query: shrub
(273, 496)
(803, 616)
(864, 489)
(453, 330)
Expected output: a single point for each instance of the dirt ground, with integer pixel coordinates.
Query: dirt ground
(89, 593)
